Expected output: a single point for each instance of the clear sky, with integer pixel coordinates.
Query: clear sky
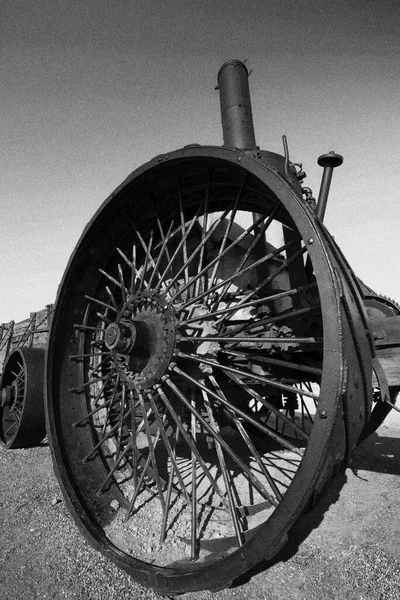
(91, 89)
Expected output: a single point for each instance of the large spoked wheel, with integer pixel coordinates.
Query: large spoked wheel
(195, 370)
(22, 420)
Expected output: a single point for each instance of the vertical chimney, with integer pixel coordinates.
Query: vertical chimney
(236, 115)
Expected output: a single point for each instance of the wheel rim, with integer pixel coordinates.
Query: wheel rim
(207, 444)
(22, 420)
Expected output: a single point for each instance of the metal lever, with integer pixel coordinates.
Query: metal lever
(328, 162)
(386, 401)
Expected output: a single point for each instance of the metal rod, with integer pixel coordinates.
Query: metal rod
(328, 162)
(236, 113)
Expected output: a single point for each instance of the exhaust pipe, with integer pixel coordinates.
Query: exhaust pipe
(236, 114)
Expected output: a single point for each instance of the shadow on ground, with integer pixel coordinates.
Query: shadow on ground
(378, 454)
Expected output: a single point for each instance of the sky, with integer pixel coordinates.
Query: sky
(92, 89)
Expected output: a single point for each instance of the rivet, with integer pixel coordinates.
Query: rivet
(310, 241)
(323, 414)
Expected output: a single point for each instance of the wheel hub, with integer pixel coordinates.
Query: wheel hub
(143, 339)
(121, 337)
(9, 395)
(6, 396)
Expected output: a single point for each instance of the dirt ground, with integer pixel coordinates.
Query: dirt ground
(348, 547)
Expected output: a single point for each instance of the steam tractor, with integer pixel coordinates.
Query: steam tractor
(212, 360)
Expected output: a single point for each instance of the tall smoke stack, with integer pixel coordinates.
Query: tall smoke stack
(236, 114)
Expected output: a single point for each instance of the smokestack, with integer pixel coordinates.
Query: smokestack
(236, 114)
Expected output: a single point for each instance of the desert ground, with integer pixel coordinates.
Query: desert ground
(347, 547)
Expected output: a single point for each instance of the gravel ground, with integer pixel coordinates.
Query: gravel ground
(348, 547)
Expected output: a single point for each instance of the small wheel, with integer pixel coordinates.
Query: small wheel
(380, 409)
(379, 307)
(22, 420)
(196, 370)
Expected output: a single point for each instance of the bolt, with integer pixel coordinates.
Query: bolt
(323, 414)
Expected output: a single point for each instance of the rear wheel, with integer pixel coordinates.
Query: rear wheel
(22, 420)
(195, 372)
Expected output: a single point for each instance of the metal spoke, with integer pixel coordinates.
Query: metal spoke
(253, 394)
(148, 258)
(152, 453)
(118, 461)
(184, 237)
(79, 389)
(98, 408)
(12, 426)
(235, 275)
(112, 299)
(163, 532)
(115, 394)
(256, 356)
(203, 232)
(228, 230)
(215, 435)
(271, 277)
(165, 240)
(100, 303)
(107, 436)
(256, 240)
(175, 254)
(133, 437)
(162, 251)
(167, 444)
(120, 420)
(124, 290)
(134, 272)
(261, 301)
(249, 374)
(103, 318)
(105, 362)
(78, 357)
(224, 470)
(188, 440)
(193, 537)
(251, 339)
(244, 415)
(201, 245)
(249, 443)
(285, 316)
(132, 503)
(112, 279)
